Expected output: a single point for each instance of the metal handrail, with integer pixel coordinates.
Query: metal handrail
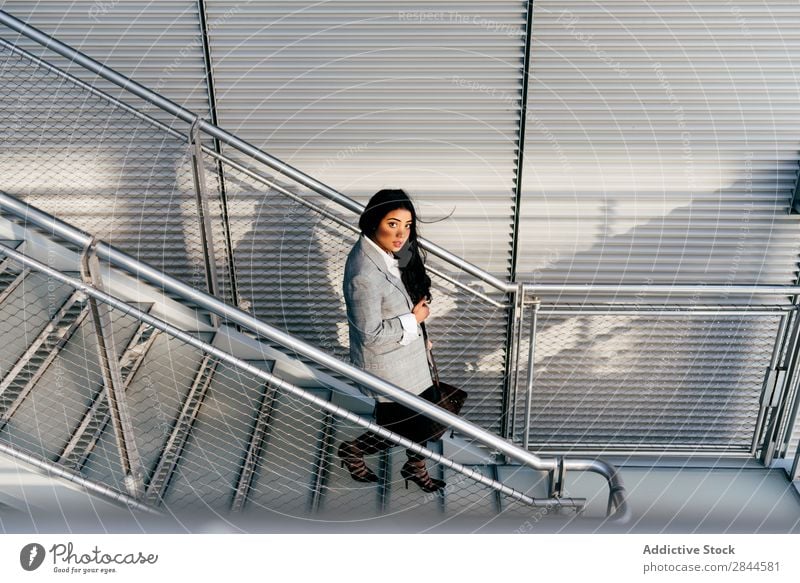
(94, 292)
(269, 182)
(136, 268)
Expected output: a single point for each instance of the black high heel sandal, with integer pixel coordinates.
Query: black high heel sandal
(353, 460)
(416, 472)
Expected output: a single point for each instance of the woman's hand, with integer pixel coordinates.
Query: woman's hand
(421, 310)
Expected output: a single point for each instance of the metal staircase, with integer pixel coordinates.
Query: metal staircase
(143, 389)
(222, 421)
(221, 412)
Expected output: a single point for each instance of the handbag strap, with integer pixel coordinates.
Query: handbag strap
(429, 353)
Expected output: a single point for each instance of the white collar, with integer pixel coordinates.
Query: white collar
(391, 261)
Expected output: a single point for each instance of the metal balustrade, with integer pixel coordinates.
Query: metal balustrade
(212, 431)
(528, 352)
(235, 214)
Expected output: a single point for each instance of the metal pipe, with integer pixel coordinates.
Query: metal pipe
(529, 382)
(203, 213)
(656, 289)
(667, 312)
(55, 470)
(512, 363)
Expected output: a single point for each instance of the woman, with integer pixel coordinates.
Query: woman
(387, 289)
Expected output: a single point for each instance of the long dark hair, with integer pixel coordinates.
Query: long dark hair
(411, 258)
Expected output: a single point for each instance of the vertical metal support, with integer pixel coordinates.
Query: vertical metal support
(132, 467)
(498, 497)
(322, 462)
(384, 480)
(255, 448)
(557, 477)
(775, 377)
(220, 166)
(512, 362)
(529, 385)
(783, 397)
(794, 474)
(203, 212)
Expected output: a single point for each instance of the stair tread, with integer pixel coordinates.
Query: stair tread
(210, 464)
(343, 498)
(284, 476)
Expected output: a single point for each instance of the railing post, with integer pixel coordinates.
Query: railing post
(782, 396)
(774, 379)
(203, 212)
(132, 468)
(529, 385)
(512, 363)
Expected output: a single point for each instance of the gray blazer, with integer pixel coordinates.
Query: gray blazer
(375, 301)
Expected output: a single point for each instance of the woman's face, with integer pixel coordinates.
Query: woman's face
(394, 230)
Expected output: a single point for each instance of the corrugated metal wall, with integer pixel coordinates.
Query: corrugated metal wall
(363, 95)
(661, 147)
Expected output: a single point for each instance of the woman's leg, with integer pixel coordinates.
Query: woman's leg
(403, 421)
(369, 442)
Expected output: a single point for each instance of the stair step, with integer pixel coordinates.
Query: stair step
(154, 397)
(207, 472)
(48, 416)
(24, 315)
(284, 478)
(342, 497)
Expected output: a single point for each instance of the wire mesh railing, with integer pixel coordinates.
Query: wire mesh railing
(708, 393)
(198, 414)
(88, 160)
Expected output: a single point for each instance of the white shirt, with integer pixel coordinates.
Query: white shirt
(409, 321)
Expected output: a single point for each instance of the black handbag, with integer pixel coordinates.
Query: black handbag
(450, 397)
